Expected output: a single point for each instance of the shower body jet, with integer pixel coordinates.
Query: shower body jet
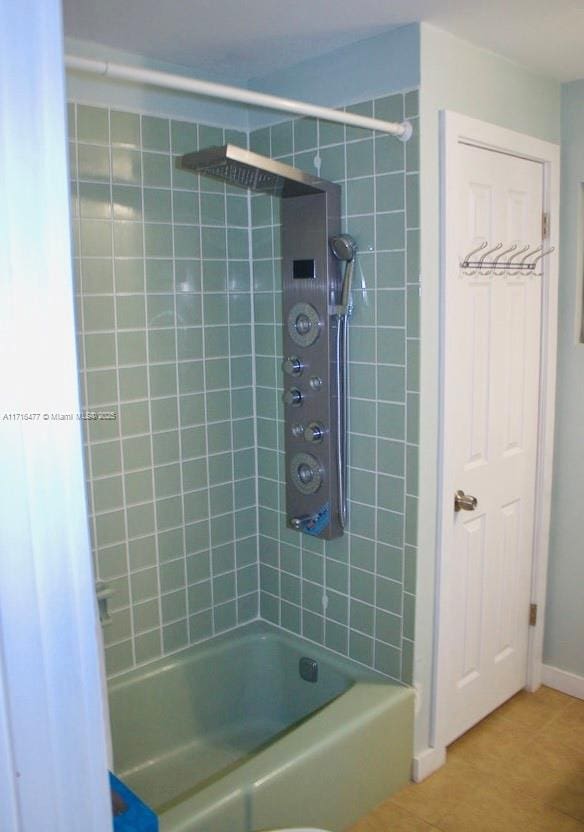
(312, 294)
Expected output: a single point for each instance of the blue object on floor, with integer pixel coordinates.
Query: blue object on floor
(137, 817)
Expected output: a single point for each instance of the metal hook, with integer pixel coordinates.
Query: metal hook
(541, 256)
(525, 267)
(498, 257)
(468, 257)
(485, 255)
(518, 253)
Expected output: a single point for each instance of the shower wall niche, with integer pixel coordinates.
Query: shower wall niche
(180, 333)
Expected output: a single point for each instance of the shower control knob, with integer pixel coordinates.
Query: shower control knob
(292, 365)
(314, 432)
(305, 474)
(303, 324)
(293, 397)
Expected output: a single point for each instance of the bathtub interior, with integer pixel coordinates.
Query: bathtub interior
(186, 721)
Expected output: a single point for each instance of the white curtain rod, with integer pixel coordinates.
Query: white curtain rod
(120, 72)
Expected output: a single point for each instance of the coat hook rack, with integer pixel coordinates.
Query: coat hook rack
(506, 262)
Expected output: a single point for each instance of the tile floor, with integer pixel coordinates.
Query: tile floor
(520, 769)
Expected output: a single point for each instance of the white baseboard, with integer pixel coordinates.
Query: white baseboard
(562, 680)
(427, 762)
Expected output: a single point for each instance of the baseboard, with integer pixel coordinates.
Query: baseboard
(427, 762)
(562, 680)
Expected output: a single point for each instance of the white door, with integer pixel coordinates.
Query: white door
(490, 412)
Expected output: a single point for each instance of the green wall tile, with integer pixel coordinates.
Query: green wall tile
(130, 311)
(140, 519)
(136, 452)
(96, 238)
(142, 552)
(186, 241)
(157, 240)
(131, 347)
(147, 646)
(388, 660)
(118, 657)
(107, 494)
(146, 615)
(360, 158)
(156, 169)
(138, 487)
(125, 128)
(184, 137)
(100, 350)
(144, 584)
(97, 276)
(126, 166)
(175, 636)
(167, 480)
(127, 202)
(92, 124)
(305, 134)
(94, 201)
(157, 205)
(155, 134)
(390, 108)
(93, 163)
(128, 239)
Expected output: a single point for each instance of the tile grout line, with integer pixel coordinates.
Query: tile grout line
(178, 394)
(149, 399)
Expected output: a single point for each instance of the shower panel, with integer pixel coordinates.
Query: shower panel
(310, 218)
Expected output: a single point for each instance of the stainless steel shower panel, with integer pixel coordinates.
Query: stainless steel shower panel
(310, 216)
(311, 287)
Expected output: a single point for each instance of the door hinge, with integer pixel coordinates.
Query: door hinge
(532, 615)
(545, 226)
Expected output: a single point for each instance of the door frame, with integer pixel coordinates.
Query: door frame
(456, 128)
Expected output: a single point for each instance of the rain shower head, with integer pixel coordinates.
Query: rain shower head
(236, 166)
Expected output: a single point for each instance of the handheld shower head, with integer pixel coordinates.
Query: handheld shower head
(344, 248)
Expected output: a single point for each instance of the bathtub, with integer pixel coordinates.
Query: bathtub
(227, 736)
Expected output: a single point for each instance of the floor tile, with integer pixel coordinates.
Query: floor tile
(389, 817)
(535, 710)
(490, 742)
(520, 769)
(568, 727)
(441, 793)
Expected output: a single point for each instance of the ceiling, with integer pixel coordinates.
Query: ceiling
(243, 39)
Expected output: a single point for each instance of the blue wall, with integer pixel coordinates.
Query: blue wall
(565, 611)
(368, 69)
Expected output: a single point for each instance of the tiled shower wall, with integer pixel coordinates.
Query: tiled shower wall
(165, 343)
(356, 594)
(165, 323)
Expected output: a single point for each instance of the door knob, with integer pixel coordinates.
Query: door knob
(464, 502)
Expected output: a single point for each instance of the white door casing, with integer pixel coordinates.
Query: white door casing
(498, 354)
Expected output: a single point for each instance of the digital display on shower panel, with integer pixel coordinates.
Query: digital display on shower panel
(303, 270)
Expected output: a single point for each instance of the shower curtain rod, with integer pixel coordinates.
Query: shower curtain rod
(121, 72)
